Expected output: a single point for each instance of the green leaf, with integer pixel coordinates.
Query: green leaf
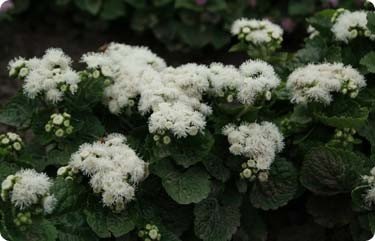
(69, 194)
(105, 223)
(330, 211)
(252, 224)
(192, 150)
(18, 112)
(329, 171)
(371, 21)
(72, 226)
(112, 9)
(368, 131)
(215, 166)
(7, 169)
(321, 21)
(369, 62)
(119, 225)
(42, 230)
(343, 113)
(191, 186)
(280, 188)
(91, 6)
(214, 222)
(97, 221)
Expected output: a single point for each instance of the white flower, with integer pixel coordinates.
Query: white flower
(259, 142)
(124, 64)
(177, 118)
(316, 83)
(259, 78)
(113, 167)
(349, 24)
(45, 75)
(257, 32)
(49, 204)
(223, 78)
(29, 187)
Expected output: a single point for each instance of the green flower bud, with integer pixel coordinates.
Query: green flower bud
(153, 234)
(66, 123)
(156, 138)
(141, 234)
(69, 130)
(96, 74)
(59, 133)
(23, 72)
(166, 140)
(17, 146)
(247, 173)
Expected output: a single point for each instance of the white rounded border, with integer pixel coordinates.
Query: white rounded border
(1, 238)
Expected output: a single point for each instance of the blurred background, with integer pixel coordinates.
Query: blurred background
(180, 31)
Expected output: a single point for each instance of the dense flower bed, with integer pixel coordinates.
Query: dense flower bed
(130, 148)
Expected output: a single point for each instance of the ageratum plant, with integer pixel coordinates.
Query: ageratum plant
(129, 148)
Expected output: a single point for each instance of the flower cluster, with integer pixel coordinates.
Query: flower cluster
(121, 66)
(27, 188)
(315, 83)
(253, 80)
(349, 25)
(113, 167)
(149, 233)
(50, 76)
(259, 143)
(59, 125)
(344, 136)
(258, 32)
(174, 97)
(11, 142)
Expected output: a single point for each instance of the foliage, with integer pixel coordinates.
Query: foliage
(314, 189)
(178, 23)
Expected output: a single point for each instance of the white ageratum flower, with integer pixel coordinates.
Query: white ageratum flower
(224, 79)
(50, 76)
(178, 119)
(316, 83)
(259, 79)
(258, 142)
(113, 167)
(349, 25)
(257, 32)
(27, 188)
(123, 65)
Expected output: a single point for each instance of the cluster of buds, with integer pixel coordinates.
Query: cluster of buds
(103, 73)
(7, 186)
(350, 88)
(149, 233)
(251, 172)
(345, 136)
(67, 172)
(59, 125)
(18, 69)
(11, 142)
(162, 138)
(23, 219)
(262, 32)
